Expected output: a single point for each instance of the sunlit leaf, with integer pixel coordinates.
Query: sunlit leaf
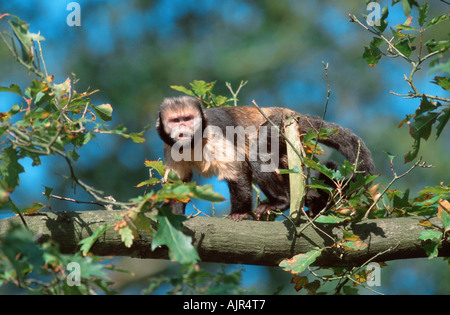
(444, 214)
(13, 88)
(169, 233)
(33, 208)
(104, 111)
(299, 263)
(88, 242)
(158, 166)
(10, 169)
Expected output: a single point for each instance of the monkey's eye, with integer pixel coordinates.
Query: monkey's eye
(174, 120)
(187, 118)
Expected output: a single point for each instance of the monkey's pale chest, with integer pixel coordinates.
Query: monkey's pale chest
(219, 158)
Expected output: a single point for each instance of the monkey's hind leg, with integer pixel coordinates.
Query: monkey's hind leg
(240, 198)
(276, 190)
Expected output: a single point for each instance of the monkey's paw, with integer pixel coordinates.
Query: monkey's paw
(239, 216)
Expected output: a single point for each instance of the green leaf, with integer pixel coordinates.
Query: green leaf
(48, 192)
(431, 248)
(443, 82)
(25, 38)
(13, 88)
(422, 125)
(88, 242)
(360, 182)
(10, 169)
(423, 10)
(104, 112)
(36, 87)
(34, 208)
(158, 166)
(200, 87)
(73, 155)
(407, 5)
(443, 214)
(404, 46)
(442, 45)
(150, 182)
(127, 236)
(182, 89)
(372, 55)
(412, 154)
(169, 233)
(185, 191)
(430, 235)
(319, 184)
(353, 242)
(19, 242)
(205, 192)
(329, 219)
(299, 263)
(437, 20)
(442, 119)
(136, 137)
(406, 27)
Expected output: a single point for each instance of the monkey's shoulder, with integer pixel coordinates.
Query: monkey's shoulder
(244, 115)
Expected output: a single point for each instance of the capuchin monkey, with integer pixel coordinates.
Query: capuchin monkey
(232, 143)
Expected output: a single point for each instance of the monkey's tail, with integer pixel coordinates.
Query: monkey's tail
(345, 142)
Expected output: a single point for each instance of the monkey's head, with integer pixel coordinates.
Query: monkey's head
(179, 119)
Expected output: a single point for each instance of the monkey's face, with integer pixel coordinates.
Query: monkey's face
(182, 125)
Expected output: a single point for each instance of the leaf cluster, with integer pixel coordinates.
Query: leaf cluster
(193, 280)
(42, 269)
(406, 41)
(53, 118)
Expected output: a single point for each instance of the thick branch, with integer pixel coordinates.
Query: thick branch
(246, 242)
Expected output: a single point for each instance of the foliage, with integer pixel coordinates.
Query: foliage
(193, 280)
(433, 109)
(355, 202)
(42, 269)
(203, 92)
(58, 120)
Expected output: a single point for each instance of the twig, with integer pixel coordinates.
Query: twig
(311, 222)
(396, 177)
(42, 55)
(235, 94)
(75, 201)
(376, 32)
(325, 66)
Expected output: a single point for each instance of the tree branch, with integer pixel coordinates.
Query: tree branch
(246, 242)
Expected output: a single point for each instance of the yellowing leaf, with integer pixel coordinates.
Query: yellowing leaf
(353, 242)
(299, 263)
(444, 214)
(33, 208)
(408, 21)
(157, 166)
(425, 223)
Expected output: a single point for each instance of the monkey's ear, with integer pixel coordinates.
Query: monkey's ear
(158, 122)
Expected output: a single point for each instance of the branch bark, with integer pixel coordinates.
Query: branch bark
(246, 242)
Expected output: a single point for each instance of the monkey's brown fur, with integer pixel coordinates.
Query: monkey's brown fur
(239, 174)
